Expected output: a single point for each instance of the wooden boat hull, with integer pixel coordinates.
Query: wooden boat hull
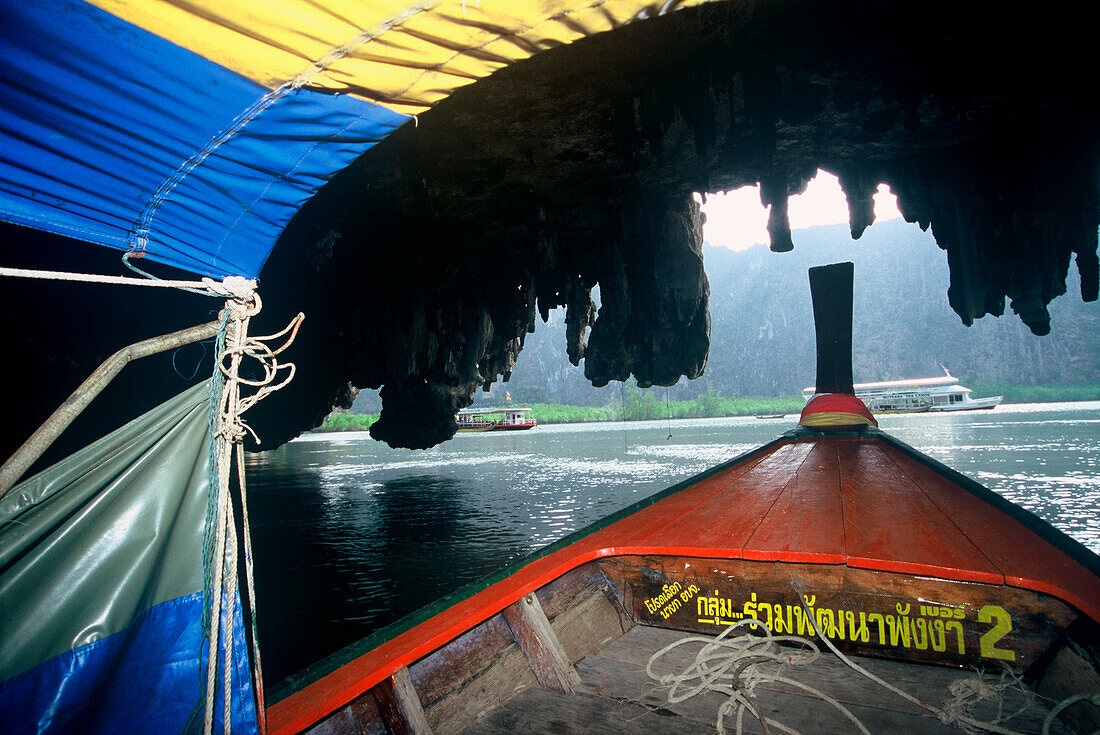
(863, 612)
(857, 533)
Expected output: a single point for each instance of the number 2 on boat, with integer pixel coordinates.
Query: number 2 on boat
(1002, 628)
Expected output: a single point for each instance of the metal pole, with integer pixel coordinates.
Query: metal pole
(41, 440)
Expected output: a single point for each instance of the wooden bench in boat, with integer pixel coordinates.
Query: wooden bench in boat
(891, 556)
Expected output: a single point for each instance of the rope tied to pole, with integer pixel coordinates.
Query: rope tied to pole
(229, 430)
(236, 349)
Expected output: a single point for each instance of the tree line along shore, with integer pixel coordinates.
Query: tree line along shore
(647, 405)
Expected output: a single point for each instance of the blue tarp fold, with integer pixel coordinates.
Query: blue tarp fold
(116, 136)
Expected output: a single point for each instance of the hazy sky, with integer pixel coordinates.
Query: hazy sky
(737, 220)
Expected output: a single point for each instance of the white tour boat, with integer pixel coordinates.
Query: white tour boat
(916, 395)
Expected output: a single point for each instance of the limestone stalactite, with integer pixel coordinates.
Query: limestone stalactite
(432, 258)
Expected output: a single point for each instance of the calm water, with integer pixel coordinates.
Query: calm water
(350, 535)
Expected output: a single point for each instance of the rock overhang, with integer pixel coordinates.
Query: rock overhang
(425, 264)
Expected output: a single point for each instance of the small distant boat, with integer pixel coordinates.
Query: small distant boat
(495, 419)
(770, 415)
(918, 395)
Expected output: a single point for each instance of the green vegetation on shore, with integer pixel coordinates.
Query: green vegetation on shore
(641, 405)
(637, 405)
(1038, 393)
(553, 413)
(347, 422)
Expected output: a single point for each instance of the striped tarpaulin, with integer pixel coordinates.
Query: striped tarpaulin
(192, 132)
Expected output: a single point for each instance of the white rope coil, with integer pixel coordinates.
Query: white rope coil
(241, 346)
(735, 665)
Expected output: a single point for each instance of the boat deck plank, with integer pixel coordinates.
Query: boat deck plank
(542, 712)
(891, 525)
(649, 521)
(1045, 568)
(806, 522)
(618, 696)
(728, 519)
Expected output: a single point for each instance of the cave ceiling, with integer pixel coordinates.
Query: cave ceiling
(422, 267)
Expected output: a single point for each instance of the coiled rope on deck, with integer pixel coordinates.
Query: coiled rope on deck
(735, 665)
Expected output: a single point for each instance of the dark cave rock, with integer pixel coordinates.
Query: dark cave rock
(859, 191)
(424, 265)
(653, 322)
(418, 414)
(1007, 234)
(773, 194)
(580, 315)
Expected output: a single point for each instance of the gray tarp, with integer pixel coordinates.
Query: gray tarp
(99, 538)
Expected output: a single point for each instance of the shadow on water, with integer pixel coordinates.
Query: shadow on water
(336, 561)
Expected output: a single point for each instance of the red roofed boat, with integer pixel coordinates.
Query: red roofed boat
(834, 530)
(495, 419)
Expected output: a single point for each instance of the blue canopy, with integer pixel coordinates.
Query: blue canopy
(191, 133)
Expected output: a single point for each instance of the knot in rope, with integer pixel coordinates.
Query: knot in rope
(232, 287)
(240, 294)
(273, 375)
(235, 430)
(972, 689)
(967, 695)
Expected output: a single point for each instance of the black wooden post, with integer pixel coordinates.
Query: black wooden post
(831, 291)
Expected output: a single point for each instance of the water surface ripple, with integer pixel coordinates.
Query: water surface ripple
(351, 535)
